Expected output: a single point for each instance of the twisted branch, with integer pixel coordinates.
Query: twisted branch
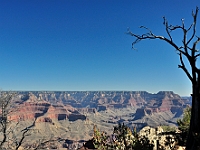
(182, 50)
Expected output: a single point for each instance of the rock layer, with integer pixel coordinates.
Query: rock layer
(64, 105)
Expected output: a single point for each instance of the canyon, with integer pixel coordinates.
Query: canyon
(71, 115)
(73, 105)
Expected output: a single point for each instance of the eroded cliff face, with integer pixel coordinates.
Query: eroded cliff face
(161, 102)
(42, 111)
(93, 99)
(29, 110)
(64, 105)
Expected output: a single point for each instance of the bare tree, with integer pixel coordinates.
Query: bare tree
(8, 138)
(186, 51)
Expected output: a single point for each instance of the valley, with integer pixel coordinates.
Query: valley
(68, 117)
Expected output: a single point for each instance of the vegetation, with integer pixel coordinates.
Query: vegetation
(122, 139)
(184, 126)
(187, 51)
(184, 123)
(168, 129)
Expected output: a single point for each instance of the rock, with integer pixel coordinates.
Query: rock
(101, 108)
(58, 105)
(44, 119)
(57, 112)
(74, 117)
(29, 111)
(157, 135)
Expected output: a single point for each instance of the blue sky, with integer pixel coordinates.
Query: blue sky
(82, 45)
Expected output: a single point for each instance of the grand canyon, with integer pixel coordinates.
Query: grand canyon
(69, 116)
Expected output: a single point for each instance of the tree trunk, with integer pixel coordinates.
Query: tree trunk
(193, 140)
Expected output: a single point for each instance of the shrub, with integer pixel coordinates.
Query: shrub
(122, 139)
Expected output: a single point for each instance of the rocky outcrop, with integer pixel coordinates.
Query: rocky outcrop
(57, 112)
(43, 119)
(87, 110)
(157, 135)
(74, 117)
(140, 113)
(101, 108)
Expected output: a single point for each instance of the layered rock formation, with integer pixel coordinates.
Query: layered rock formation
(43, 111)
(62, 105)
(161, 102)
(93, 99)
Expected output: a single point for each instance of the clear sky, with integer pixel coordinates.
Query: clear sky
(82, 45)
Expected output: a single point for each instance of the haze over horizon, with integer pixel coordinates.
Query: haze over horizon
(82, 45)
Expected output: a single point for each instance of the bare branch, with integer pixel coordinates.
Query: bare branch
(167, 28)
(5, 99)
(193, 24)
(184, 41)
(150, 35)
(194, 74)
(183, 24)
(197, 56)
(43, 144)
(183, 50)
(182, 66)
(190, 27)
(171, 27)
(24, 134)
(195, 44)
(9, 139)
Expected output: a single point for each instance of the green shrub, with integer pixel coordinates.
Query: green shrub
(122, 139)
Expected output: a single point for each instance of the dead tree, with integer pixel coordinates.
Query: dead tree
(8, 138)
(187, 51)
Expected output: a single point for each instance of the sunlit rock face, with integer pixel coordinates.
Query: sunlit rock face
(29, 111)
(42, 111)
(63, 105)
(161, 102)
